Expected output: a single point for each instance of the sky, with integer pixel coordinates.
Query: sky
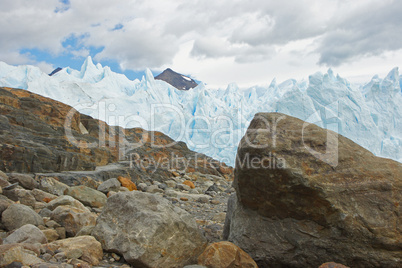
(217, 42)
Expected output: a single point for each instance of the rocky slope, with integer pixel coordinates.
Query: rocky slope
(39, 134)
(305, 196)
(177, 80)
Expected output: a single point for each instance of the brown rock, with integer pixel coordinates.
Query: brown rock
(23, 253)
(125, 182)
(189, 183)
(90, 248)
(51, 235)
(87, 196)
(305, 195)
(183, 199)
(332, 265)
(225, 255)
(73, 218)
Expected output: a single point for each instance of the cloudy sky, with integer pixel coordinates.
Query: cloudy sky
(247, 42)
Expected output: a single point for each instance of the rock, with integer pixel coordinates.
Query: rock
(51, 235)
(215, 202)
(171, 184)
(17, 215)
(90, 248)
(183, 187)
(45, 212)
(142, 186)
(4, 203)
(23, 196)
(148, 231)
(65, 200)
(194, 191)
(189, 184)
(87, 196)
(52, 224)
(52, 186)
(1, 190)
(26, 234)
(162, 186)
(18, 253)
(125, 182)
(86, 230)
(154, 189)
(213, 188)
(61, 231)
(109, 185)
(15, 264)
(306, 195)
(3, 179)
(204, 199)
(332, 265)
(3, 176)
(11, 186)
(224, 255)
(73, 219)
(25, 180)
(42, 196)
(219, 217)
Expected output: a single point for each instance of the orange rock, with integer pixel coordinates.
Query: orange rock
(225, 255)
(47, 199)
(189, 183)
(332, 265)
(127, 183)
(183, 199)
(176, 174)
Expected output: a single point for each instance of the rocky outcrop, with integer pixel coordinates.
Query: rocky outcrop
(39, 135)
(148, 231)
(177, 80)
(306, 196)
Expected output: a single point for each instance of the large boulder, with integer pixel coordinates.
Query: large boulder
(306, 196)
(17, 215)
(26, 234)
(87, 196)
(71, 214)
(73, 219)
(148, 231)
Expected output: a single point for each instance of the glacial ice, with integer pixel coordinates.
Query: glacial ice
(212, 121)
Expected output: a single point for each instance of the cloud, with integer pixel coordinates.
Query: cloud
(369, 29)
(139, 33)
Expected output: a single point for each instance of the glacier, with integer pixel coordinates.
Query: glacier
(212, 121)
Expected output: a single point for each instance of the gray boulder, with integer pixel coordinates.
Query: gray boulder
(112, 184)
(17, 215)
(148, 231)
(26, 234)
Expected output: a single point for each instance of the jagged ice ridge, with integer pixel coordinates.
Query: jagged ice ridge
(212, 121)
